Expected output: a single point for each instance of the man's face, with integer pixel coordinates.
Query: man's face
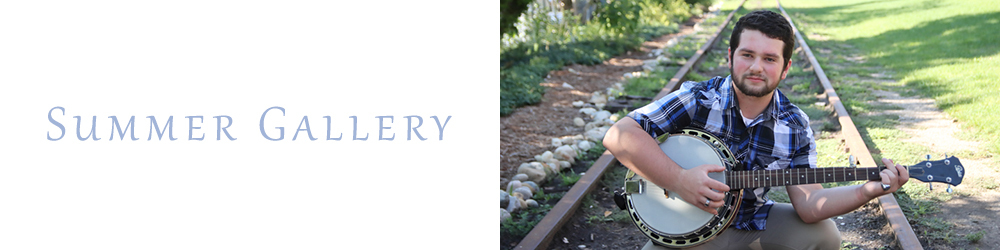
(757, 64)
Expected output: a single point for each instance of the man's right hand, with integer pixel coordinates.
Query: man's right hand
(695, 187)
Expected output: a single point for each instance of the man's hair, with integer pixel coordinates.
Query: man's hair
(772, 24)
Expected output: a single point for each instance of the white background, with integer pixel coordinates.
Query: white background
(238, 58)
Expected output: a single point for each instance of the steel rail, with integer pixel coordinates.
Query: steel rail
(905, 236)
(541, 235)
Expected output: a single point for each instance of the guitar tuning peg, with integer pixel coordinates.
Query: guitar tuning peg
(949, 190)
(928, 157)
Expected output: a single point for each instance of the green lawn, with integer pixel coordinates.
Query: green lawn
(948, 50)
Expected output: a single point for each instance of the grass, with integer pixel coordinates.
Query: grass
(940, 49)
(943, 49)
(544, 44)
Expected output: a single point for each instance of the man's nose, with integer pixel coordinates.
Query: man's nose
(756, 66)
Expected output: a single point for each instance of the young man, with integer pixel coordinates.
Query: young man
(763, 129)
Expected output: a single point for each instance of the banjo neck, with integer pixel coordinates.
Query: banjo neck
(943, 171)
(798, 176)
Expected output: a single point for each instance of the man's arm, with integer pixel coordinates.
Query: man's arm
(638, 151)
(813, 203)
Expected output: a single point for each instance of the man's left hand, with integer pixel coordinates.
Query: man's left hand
(893, 176)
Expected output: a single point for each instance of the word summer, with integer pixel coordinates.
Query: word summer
(270, 125)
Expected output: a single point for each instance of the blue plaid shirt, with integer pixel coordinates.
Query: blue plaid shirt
(778, 138)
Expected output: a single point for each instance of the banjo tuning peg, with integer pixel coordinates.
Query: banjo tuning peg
(853, 161)
(949, 190)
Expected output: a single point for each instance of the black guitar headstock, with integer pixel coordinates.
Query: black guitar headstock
(948, 170)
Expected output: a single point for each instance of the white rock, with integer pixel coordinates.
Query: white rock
(564, 165)
(596, 134)
(520, 177)
(504, 199)
(566, 85)
(525, 192)
(598, 98)
(585, 145)
(565, 153)
(542, 166)
(535, 174)
(530, 184)
(553, 166)
(579, 122)
(514, 204)
(614, 117)
(578, 104)
(547, 156)
(531, 203)
(588, 111)
(504, 215)
(568, 140)
(556, 142)
(512, 185)
(601, 115)
(591, 125)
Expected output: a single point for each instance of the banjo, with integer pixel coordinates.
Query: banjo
(671, 222)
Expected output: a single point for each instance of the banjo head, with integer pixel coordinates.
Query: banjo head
(661, 214)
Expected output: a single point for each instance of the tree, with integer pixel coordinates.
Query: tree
(510, 10)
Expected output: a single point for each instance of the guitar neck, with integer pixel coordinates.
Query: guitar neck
(798, 176)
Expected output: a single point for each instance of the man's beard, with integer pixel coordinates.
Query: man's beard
(751, 91)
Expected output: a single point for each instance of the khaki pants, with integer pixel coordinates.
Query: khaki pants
(785, 230)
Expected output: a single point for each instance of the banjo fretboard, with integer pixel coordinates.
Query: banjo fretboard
(797, 176)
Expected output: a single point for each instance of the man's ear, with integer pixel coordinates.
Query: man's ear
(788, 67)
(729, 57)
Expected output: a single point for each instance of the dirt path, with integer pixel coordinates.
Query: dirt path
(529, 130)
(975, 206)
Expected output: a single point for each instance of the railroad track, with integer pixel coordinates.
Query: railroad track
(544, 232)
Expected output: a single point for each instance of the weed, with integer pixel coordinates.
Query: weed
(520, 223)
(569, 179)
(975, 237)
(938, 229)
(649, 85)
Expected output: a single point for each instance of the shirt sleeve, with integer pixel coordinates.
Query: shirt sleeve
(670, 113)
(805, 154)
